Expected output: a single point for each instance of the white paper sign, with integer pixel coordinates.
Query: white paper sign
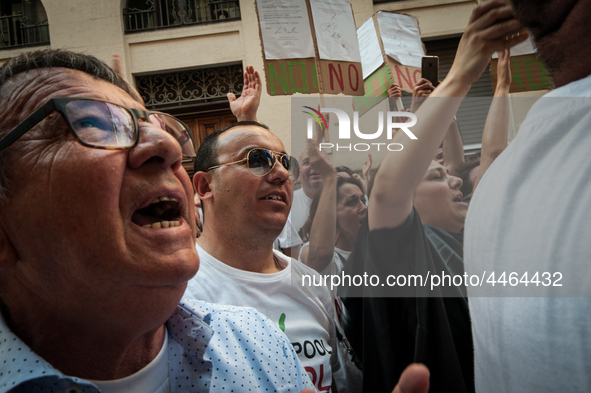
(336, 35)
(285, 29)
(401, 38)
(526, 47)
(369, 48)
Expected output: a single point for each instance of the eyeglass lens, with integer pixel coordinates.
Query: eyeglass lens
(262, 161)
(105, 124)
(176, 129)
(101, 123)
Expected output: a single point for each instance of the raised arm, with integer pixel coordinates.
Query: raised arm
(489, 29)
(394, 93)
(245, 107)
(323, 231)
(453, 148)
(496, 128)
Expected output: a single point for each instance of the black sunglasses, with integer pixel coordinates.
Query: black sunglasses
(262, 161)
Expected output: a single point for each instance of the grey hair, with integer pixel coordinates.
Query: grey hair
(50, 58)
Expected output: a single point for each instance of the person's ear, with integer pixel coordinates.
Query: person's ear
(8, 256)
(202, 181)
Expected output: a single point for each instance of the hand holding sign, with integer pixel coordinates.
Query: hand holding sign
(491, 28)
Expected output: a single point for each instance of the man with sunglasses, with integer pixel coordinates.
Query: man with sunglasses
(97, 234)
(242, 176)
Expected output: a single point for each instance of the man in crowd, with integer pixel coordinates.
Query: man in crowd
(245, 109)
(242, 176)
(530, 213)
(97, 232)
(311, 182)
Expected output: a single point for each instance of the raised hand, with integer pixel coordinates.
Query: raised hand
(367, 167)
(245, 107)
(492, 27)
(394, 90)
(504, 69)
(319, 159)
(420, 91)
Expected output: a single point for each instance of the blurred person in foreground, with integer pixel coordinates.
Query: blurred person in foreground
(415, 217)
(530, 213)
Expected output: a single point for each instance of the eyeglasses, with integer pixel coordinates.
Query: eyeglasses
(103, 124)
(262, 161)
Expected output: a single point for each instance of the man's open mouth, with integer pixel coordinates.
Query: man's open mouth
(275, 198)
(162, 212)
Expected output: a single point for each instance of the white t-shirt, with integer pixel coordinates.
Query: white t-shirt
(335, 266)
(532, 213)
(304, 314)
(348, 379)
(151, 378)
(300, 208)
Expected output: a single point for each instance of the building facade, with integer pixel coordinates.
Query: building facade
(184, 56)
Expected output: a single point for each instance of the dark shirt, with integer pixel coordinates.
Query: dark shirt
(389, 328)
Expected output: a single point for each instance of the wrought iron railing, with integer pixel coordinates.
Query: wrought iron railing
(193, 87)
(16, 32)
(159, 14)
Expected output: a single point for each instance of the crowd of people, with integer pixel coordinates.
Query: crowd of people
(103, 287)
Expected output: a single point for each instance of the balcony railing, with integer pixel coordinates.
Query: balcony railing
(173, 13)
(16, 32)
(189, 88)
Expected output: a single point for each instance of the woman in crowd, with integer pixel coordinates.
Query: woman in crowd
(415, 219)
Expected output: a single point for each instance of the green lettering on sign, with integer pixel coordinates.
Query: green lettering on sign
(275, 77)
(543, 79)
(516, 76)
(302, 65)
(366, 102)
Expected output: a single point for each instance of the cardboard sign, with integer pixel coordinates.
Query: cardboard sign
(527, 74)
(283, 32)
(376, 85)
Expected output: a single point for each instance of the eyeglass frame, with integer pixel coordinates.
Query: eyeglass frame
(59, 104)
(245, 159)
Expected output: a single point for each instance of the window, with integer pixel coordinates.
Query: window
(24, 23)
(140, 15)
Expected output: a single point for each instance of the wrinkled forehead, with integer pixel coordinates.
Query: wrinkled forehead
(239, 140)
(27, 91)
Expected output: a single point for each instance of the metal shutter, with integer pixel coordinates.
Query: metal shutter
(472, 113)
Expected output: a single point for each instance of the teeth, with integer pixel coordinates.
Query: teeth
(275, 197)
(164, 198)
(163, 224)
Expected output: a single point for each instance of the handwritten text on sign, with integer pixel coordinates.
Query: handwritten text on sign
(527, 73)
(286, 77)
(376, 85)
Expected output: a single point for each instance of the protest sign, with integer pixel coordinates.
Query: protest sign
(397, 37)
(528, 73)
(310, 46)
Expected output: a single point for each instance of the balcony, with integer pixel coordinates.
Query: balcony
(16, 32)
(160, 14)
